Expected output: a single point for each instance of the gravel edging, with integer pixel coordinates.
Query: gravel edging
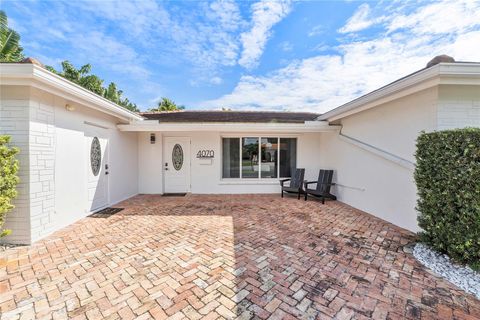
(461, 276)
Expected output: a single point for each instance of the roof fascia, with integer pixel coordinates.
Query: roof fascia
(38, 77)
(444, 73)
(152, 125)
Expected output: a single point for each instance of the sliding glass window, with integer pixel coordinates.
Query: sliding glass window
(250, 158)
(231, 157)
(258, 157)
(288, 156)
(269, 152)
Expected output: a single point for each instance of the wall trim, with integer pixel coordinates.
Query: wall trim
(379, 152)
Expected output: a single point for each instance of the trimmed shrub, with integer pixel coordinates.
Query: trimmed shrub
(8, 180)
(447, 175)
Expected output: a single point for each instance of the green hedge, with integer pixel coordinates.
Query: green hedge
(447, 175)
(8, 179)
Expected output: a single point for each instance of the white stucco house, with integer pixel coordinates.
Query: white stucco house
(81, 153)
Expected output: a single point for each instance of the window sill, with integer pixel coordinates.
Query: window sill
(273, 181)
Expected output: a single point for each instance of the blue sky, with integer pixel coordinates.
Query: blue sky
(259, 55)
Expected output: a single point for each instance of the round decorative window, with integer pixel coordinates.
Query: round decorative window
(95, 156)
(177, 157)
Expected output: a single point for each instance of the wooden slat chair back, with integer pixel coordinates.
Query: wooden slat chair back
(324, 181)
(323, 185)
(295, 183)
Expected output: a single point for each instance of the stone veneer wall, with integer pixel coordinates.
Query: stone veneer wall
(14, 121)
(42, 165)
(458, 107)
(29, 120)
(458, 114)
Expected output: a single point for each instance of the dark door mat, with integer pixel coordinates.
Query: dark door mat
(174, 195)
(105, 213)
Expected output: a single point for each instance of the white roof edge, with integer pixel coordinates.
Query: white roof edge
(307, 126)
(27, 71)
(455, 70)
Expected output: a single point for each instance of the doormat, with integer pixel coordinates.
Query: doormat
(105, 213)
(174, 195)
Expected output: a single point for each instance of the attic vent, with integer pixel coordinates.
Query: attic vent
(439, 59)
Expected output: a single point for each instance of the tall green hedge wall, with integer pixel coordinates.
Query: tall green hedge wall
(8, 179)
(447, 175)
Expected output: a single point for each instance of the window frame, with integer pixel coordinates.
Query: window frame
(240, 146)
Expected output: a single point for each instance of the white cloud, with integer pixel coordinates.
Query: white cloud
(226, 13)
(438, 18)
(285, 46)
(322, 47)
(317, 30)
(360, 20)
(265, 14)
(206, 38)
(138, 17)
(323, 82)
(109, 53)
(216, 80)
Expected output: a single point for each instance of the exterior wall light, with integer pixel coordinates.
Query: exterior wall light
(152, 138)
(69, 107)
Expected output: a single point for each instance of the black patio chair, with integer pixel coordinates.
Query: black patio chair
(296, 183)
(322, 189)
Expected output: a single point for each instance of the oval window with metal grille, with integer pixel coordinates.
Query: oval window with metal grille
(177, 157)
(95, 156)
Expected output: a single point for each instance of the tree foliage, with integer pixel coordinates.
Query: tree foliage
(82, 77)
(8, 180)
(10, 49)
(447, 175)
(166, 104)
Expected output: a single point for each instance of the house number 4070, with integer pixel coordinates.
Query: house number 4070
(205, 154)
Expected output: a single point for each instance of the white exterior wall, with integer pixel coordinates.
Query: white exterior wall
(458, 107)
(150, 166)
(52, 191)
(14, 121)
(206, 174)
(72, 159)
(369, 181)
(53, 159)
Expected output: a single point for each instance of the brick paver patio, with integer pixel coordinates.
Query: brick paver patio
(251, 256)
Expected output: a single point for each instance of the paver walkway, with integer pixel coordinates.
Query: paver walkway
(251, 256)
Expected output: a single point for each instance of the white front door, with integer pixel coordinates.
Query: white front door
(176, 164)
(97, 170)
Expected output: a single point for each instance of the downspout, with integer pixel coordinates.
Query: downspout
(377, 151)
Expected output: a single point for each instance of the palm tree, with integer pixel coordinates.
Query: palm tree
(80, 76)
(10, 49)
(167, 105)
(93, 83)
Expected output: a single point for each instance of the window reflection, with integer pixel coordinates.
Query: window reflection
(269, 160)
(288, 156)
(249, 157)
(231, 158)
